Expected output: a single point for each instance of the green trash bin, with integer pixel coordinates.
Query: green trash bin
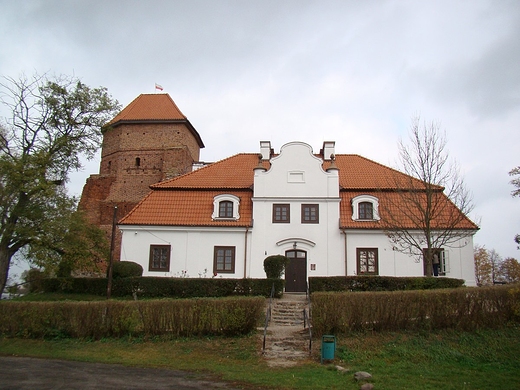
(328, 347)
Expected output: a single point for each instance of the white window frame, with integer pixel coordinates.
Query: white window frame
(369, 199)
(444, 263)
(223, 198)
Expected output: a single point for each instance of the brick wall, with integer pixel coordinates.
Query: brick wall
(133, 157)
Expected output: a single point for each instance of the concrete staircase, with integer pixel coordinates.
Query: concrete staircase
(287, 341)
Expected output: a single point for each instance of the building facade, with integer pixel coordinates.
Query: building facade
(325, 211)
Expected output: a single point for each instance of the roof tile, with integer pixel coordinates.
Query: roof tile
(188, 200)
(147, 107)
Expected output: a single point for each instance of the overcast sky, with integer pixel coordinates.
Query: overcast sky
(354, 72)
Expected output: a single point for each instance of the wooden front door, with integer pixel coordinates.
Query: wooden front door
(296, 271)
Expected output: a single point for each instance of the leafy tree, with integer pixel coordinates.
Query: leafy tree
(510, 270)
(431, 206)
(54, 123)
(69, 244)
(483, 266)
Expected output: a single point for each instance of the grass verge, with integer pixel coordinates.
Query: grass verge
(438, 360)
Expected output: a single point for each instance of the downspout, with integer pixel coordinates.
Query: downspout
(245, 252)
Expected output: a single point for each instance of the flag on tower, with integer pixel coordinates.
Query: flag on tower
(157, 86)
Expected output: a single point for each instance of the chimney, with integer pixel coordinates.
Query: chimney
(328, 150)
(265, 150)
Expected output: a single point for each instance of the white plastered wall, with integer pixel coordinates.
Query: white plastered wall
(192, 249)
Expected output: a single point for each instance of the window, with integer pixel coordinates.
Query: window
(159, 258)
(281, 213)
(226, 206)
(367, 261)
(225, 209)
(310, 213)
(440, 266)
(137, 162)
(224, 260)
(366, 210)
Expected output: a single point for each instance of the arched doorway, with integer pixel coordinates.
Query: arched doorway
(296, 271)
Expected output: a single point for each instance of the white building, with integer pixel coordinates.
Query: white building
(325, 211)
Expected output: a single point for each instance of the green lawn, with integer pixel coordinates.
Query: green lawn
(442, 360)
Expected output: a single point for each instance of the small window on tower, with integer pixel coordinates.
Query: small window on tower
(137, 162)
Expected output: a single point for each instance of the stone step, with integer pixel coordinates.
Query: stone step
(287, 340)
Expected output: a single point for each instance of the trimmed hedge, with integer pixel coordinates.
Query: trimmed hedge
(157, 287)
(462, 308)
(126, 269)
(274, 266)
(380, 283)
(96, 320)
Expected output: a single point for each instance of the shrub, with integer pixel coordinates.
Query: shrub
(126, 269)
(461, 308)
(157, 287)
(274, 266)
(96, 320)
(380, 283)
(34, 278)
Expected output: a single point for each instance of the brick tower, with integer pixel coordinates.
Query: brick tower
(149, 141)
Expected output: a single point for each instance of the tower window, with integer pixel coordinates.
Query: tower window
(137, 162)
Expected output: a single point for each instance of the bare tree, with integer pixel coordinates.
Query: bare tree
(430, 206)
(496, 262)
(515, 172)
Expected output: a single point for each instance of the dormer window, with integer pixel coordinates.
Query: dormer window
(226, 206)
(225, 209)
(365, 208)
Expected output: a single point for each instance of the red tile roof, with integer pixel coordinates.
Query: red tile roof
(188, 199)
(391, 212)
(186, 208)
(232, 172)
(156, 107)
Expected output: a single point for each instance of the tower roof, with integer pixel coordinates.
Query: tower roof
(150, 108)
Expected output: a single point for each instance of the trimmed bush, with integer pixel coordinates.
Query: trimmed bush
(274, 266)
(157, 287)
(461, 308)
(380, 283)
(126, 269)
(96, 320)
